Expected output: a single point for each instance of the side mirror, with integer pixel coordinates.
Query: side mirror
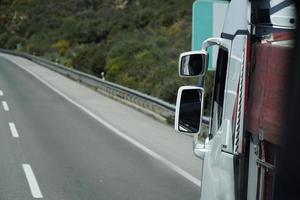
(193, 63)
(189, 110)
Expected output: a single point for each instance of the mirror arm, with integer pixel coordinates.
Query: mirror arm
(205, 45)
(200, 148)
(211, 42)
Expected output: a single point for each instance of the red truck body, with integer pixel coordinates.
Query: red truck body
(268, 88)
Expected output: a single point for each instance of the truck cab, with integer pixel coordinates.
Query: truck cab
(232, 151)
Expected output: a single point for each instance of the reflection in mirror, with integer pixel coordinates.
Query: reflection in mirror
(192, 64)
(190, 111)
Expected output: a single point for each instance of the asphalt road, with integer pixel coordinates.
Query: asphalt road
(51, 149)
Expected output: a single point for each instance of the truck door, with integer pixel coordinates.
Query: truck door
(221, 175)
(217, 181)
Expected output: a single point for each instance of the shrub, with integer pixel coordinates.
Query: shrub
(143, 17)
(90, 59)
(62, 46)
(14, 41)
(98, 62)
(4, 37)
(38, 50)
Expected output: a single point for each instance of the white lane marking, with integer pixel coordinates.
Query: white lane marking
(171, 165)
(5, 106)
(13, 130)
(32, 182)
(1, 93)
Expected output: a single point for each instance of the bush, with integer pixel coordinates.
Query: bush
(143, 18)
(14, 41)
(38, 50)
(62, 46)
(167, 19)
(98, 62)
(114, 68)
(90, 60)
(120, 58)
(4, 37)
(82, 58)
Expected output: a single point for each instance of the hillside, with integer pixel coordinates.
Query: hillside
(135, 42)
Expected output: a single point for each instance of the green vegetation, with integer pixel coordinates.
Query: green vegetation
(135, 42)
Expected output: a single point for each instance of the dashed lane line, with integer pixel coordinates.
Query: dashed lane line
(32, 182)
(13, 130)
(5, 106)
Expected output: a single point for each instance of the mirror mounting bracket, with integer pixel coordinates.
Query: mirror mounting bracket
(211, 42)
(200, 149)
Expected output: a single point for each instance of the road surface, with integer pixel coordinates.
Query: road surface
(55, 147)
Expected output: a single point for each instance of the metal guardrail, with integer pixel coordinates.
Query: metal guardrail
(152, 105)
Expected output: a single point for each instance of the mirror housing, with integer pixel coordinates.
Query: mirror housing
(189, 110)
(193, 63)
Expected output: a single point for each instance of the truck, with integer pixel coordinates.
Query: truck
(251, 71)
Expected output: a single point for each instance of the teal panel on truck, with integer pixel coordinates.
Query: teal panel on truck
(202, 23)
(208, 17)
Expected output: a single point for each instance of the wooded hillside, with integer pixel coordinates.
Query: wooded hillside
(135, 42)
